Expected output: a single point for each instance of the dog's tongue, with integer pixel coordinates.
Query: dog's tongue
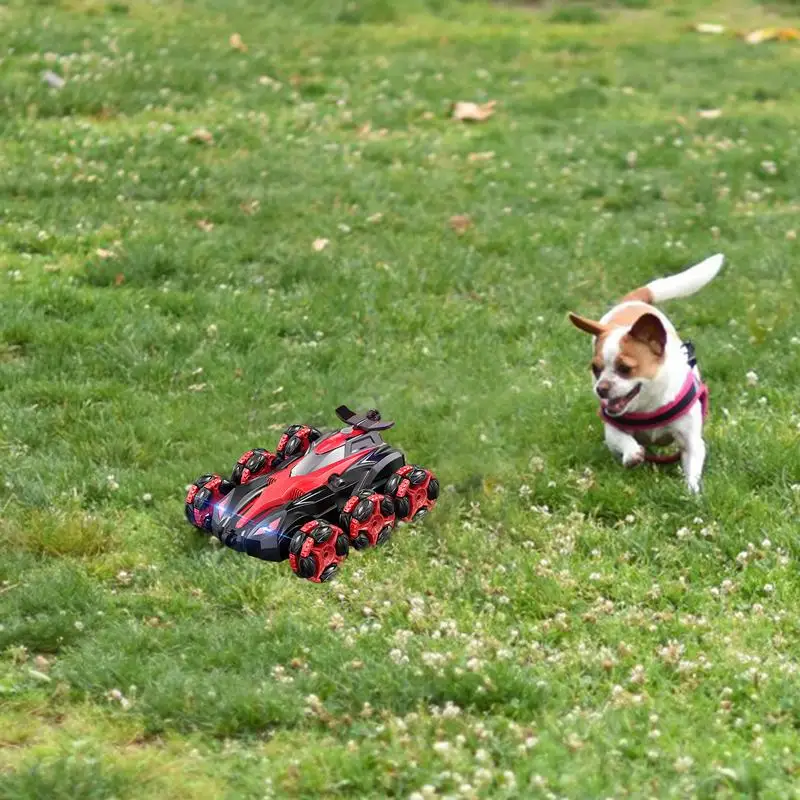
(613, 406)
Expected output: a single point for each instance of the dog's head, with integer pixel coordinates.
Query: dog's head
(626, 359)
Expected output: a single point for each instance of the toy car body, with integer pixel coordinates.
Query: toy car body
(317, 495)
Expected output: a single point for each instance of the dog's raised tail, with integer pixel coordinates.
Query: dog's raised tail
(681, 285)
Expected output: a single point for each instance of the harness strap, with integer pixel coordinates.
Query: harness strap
(672, 458)
(693, 390)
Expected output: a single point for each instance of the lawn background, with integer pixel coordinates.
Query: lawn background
(557, 628)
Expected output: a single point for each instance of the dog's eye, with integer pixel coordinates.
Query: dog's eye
(624, 370)
(596, 370)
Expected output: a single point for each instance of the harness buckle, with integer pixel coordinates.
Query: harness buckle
(688, 350)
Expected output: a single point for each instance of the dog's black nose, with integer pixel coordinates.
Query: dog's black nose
(602, 389)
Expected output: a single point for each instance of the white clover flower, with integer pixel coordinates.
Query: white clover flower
(450, 710)
(683, 764)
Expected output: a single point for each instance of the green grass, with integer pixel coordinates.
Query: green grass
(558, 628)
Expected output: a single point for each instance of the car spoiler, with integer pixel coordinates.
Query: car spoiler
(371, 421)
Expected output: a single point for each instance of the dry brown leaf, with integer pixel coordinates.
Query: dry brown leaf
(250, 207)
(205, 225)
(320, 244)
(202, 135)
(487, 155)
(366, 132)
(237, 43)
(709, 27)
(103, 253)
(119, 279)
(709, 113)
(473, 112)
(460, 223)
(772, 34)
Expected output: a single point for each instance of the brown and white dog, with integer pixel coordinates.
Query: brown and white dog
(646, 378)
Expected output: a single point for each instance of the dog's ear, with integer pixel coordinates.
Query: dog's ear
(650, 330)
(587, 325)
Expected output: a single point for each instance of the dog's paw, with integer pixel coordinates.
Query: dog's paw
(695, 486)
(633, 458)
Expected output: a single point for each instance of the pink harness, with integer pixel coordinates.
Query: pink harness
(692, 391)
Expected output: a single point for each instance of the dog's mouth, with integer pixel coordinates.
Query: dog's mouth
(616, 405)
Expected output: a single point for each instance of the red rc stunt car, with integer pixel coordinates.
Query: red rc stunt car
(313, 498)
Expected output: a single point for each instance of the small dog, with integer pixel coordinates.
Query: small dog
(647, 378)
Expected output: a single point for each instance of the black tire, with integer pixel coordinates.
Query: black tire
(296, 545)
(384, 536)
(393, 483)
(293, 442)
(255, 463)
(307, 566)
(402, 507)
(363, 510)
(202, 499)
(361, 542)
(292, 446)
(343, 545)
(416, 476)
(387, 506)
(433, 489)
(321, 533)
(328, 572)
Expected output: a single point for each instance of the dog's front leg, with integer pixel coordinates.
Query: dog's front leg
(624, 446)
(693, 449)
(692, 460)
